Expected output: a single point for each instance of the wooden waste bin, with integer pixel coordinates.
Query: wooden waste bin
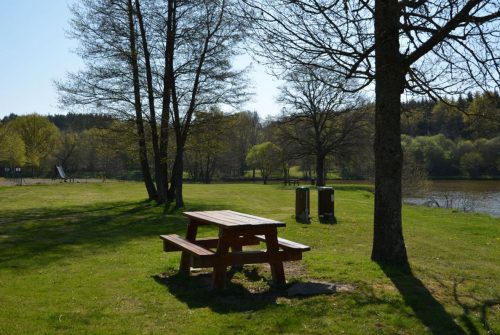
(302, 204)
(326, 203)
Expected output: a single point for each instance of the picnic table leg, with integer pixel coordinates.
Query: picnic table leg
(219, 273)
(186, 258)
(236, 248)
(276, 266)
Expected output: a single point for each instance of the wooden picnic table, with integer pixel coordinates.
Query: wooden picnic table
(292, 182)
(236, 230)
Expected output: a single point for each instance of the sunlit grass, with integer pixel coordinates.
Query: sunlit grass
(86, 258)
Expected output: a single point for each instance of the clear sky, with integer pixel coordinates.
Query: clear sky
(35, 51)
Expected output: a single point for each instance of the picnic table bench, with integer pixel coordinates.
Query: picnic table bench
(292, 182)
(236, 230)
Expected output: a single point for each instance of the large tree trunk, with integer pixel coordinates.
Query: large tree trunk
(285, 174)
(320, 170)
(175, 191)
(388, 242)
(143, 156)
(160, 171)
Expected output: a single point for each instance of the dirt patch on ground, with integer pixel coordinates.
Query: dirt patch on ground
(43, 181)
(257, 280)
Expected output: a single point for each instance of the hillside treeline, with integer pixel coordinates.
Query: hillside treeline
(456, 138)
(446, 139)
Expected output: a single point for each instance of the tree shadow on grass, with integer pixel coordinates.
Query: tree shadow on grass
(470, 304)
(196, 292)
(39, 236)
(426, 308)
(353, 187)
(36, 237)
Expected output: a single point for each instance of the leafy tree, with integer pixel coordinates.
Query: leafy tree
(490, 151)
(447, 119)
(471, 163)
(109, 151)
(483, 117)
(244, 130)
(40, 137)
(206, 144)
(12, 148)
(319, 118)
(78, 122)
(414, 174)
(265, 157)
(3, 134)
(437, 153)
(67, 151)
(277, 132)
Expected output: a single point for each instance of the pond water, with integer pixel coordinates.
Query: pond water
(465, 195)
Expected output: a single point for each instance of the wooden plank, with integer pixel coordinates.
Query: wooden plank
(229, 218)
(241, 218)
(184, 245)
(210, 217)
(257, 218)
(233, 219)
(211, 242)
(252, 230)
(287, 244)
(246, 257)
(256, 257)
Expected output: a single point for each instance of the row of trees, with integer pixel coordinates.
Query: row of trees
(101, 147)
(443, 157)
(226, 146)
(477, 116)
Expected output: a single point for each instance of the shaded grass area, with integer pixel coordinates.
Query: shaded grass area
(87, 259)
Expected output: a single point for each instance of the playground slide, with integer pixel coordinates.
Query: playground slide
(60, 170)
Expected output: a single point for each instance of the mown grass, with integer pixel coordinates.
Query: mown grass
(294, 173)
(86, 258)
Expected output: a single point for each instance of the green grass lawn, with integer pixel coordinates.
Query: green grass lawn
(295, 172)
(86, 258)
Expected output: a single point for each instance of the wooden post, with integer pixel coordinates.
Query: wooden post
(186, 258)
(219, 273)
(302, 204)
(236, 247)
(276, 266)
(326, 203)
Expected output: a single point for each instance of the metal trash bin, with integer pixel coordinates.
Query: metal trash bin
(326, 204)
(302, 204)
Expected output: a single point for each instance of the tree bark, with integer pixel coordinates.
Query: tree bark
(160, 177)
(320, 170)
(175, 191)
(388, 242)
(143, 156)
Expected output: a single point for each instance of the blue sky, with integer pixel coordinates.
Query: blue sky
(35, 51)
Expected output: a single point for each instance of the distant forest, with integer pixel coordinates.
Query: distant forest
(452, 139)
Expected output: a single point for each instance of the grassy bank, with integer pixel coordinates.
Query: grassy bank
(86, 258)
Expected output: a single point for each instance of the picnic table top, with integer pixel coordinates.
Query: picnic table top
(232, 219)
